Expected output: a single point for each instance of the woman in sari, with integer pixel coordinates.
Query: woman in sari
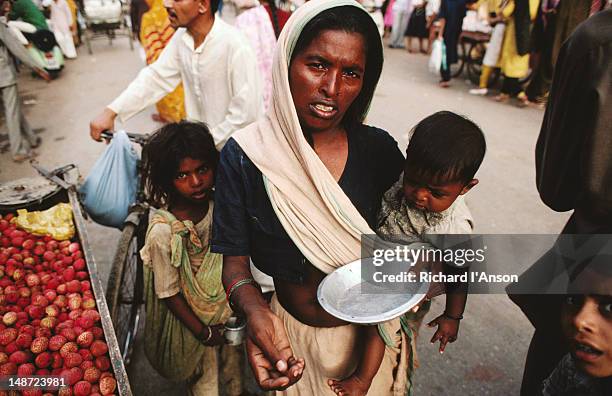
(155, 33)
(296, 191)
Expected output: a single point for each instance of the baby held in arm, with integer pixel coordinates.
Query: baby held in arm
(443, 155)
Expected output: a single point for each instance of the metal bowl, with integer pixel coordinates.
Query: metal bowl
(340, 294)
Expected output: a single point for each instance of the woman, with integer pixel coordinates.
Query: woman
(514, 58)
(62, 22)
(256, 25)
(155, 33)
(295, 192)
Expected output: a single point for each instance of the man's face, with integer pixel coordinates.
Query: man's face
(5, 8)
(182, 13)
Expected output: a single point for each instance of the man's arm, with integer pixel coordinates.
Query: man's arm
(16, 49)
(246, 104)
(152, 83)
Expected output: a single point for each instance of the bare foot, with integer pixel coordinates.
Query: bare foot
(351, 386)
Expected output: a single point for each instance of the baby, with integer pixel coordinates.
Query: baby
(443, 155)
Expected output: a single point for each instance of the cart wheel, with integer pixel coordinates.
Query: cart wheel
(124, 291)
(457, 68)
(474, 60)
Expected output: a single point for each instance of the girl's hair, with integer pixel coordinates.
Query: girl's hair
(446, 147)
(349, 19)
(165, 150)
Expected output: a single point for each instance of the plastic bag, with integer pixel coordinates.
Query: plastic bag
(112, 184)
(55, 221)
(438, 56)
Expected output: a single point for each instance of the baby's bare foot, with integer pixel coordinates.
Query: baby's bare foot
(351, 386)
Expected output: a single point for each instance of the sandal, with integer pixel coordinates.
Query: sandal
(444, 84)
(502, 98)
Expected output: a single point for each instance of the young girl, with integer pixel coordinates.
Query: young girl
(186, 306)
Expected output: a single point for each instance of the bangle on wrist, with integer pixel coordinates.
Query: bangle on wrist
(238, 283)
(201, 335)
(452, 317)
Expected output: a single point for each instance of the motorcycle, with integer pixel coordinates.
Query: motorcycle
(45, 50)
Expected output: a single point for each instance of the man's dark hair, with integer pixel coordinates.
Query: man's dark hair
(165, 150)
(446, 147)
(214, 6)
(352, 20)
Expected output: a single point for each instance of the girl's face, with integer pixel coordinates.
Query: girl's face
(326, 77)
(587, 323)
(194, 180)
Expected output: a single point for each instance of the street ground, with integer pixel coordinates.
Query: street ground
(488, 357)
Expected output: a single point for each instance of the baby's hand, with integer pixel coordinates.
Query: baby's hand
(447, 330)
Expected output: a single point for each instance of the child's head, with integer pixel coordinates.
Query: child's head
(443, 155)
(587, 315)
(179, 164)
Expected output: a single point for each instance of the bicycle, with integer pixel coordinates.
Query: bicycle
(125, 285)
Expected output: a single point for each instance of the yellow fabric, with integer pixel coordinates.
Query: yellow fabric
(55, 221)
(484, 76)
(155, 33)
(513, 64)
(333, 352)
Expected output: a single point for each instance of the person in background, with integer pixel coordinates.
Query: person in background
(556, 21)
(417, 26)
(137, 9)
(451, 17)
(214, 61)
(388, 16)
(492, 54)
(27, 11)
(62, 22)
(254, 22)
(573, 170)
(155, 33)
(401, 15)
(431, 14)
(278, 16)
(517, 15)
(21, 137)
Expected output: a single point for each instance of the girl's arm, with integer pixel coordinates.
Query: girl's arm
(179, 307)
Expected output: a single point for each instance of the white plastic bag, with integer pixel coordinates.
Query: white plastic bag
(112, 184)
(438, 56)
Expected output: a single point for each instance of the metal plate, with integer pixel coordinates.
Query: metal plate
(22, 192)
(340, 294)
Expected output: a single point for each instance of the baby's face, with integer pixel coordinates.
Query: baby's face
(427, 195)
(587, 323)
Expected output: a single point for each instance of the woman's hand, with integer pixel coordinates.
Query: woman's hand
(447, 330)
(269, 352)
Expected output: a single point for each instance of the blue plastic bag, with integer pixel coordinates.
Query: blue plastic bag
(112, 184)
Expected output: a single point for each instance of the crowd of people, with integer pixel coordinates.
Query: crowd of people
(264, 179)
(525, 38)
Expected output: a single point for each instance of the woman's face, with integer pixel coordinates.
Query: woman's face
(326, 77)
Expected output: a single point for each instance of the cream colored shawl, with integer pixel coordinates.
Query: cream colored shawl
(311, 206)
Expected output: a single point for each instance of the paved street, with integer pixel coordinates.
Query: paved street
(488, 357)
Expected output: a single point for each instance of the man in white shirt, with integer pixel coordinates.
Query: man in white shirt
(214, 61)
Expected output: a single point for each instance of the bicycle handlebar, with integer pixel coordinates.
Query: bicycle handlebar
(134, 137)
